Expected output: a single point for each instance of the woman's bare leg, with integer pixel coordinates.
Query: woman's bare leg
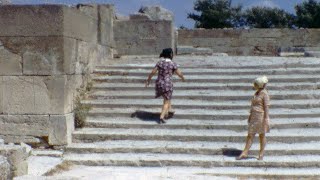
(249, 142)
(170, 107)
(165, 108)
(169, 110)
(263, 142)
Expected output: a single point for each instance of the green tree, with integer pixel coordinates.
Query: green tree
(215, 14)
(308, 14)
(266, 17)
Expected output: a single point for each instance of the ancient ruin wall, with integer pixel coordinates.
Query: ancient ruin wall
(46, 53)
(249, 42)
(144, 33)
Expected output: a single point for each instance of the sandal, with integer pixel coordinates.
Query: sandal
(242, 157)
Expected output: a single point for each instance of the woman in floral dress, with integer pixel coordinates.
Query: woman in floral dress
(258, 121)
(164, 85)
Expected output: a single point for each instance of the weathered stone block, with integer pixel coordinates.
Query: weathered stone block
(142, 37)
(18, 94)
(1, 96)
(313, 37)
(36, 64)
(90, 10)
(17, 158)
(192, 50)
(103, 14)
(293, 38)
(24, 125)
(4, 168)
(10, 63)
(46, 20)
(70, 56)
(142, 29)
(208, 33)
(139, 16)
(254, 42)
(89, 55)
(19, 139)
(25, 95)
(261, 33)
(211, 42)
(44, 55)
(106, 18)
(61, 127)
(19, 20)
(79, 26)
(143, 47)
(158, 13)
(61, 91)
(39, 95)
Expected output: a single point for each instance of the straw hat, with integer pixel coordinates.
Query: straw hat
(260, 81)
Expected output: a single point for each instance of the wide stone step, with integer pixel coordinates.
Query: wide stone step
(161, 160)
(206, 94)
(212, 78)
(216, 62)
(199, 104)
(128, 123)
(214, 71)
(182, 173)
(196, 147)
(89, 135)
(208, 86)
(204, 114)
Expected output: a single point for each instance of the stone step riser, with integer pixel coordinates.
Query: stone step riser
(204, 97)
(213, 107)
(206, 66)
(89, 138)
(201, 151)
(182, 126)
(195, 163)
(199, 116)
(227, 87)
(243, 80)
(200, 72)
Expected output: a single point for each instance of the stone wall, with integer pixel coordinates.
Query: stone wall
(46, 53)
(144, 33)
(248, 42)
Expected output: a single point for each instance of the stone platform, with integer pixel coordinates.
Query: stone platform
(121, 139)
(208, 129)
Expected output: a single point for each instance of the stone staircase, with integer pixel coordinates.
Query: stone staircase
(209, 126)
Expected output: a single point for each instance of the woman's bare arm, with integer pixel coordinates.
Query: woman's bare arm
(153, 72)
(179, 73)
(266, 104)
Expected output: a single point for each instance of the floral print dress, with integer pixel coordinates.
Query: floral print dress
(258, 120)
(164, 85)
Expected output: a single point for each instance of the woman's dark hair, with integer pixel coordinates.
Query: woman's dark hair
(167, 53)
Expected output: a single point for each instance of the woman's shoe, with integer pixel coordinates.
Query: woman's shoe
(162, 121)
(242, 156)
(171, 113)
(260, 158)
(166, 116)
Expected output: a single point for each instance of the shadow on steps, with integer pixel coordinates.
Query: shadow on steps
(148, 116)
(231, 152)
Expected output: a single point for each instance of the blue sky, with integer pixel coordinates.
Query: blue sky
(180, 8)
